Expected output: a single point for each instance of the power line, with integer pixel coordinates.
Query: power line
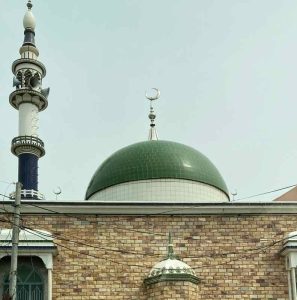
(262, 248)
(269, 192)
(60, 237)
(191, 207)
(253, 250)
(39, 234)
(94, 222)
(5, 197)
(6, 182)
(120, 251)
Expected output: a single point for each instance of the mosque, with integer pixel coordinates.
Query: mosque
(156, 222)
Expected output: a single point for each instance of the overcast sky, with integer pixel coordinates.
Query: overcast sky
(226, 70)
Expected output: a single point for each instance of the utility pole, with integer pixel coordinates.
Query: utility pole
(15, 243)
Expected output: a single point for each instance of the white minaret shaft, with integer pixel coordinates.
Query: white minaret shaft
(29, 99)
(28, 120)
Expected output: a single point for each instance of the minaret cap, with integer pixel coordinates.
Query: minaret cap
(29, 19)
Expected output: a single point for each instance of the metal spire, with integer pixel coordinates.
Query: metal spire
(170, 251)
(152, 116)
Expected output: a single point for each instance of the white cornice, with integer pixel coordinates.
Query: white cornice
(103, 208)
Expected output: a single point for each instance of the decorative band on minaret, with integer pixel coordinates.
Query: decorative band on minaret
(29, 99)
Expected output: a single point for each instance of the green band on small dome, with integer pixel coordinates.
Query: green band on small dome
(155, 160)
(171, 277)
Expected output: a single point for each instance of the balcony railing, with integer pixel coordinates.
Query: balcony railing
(29, 194)
(27, 141)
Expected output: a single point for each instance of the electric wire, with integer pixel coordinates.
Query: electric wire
(125, 252)
(265, 193)
(3, 202)
(39, 234)
(59, 236)
(95, 222)
(118, 250)
(253, 251)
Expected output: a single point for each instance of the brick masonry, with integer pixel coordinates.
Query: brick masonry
(171, 291)
(228, 253)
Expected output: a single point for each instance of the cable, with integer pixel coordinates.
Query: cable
(265, 193)
(5, 192)
(39, 234)
(257, 249)
(222, 254)
(58, 235)
(5, 197)
(96, 222)
(161, 213)
(6, 182)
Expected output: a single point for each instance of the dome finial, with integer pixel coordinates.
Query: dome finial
(152, 116)
(171, 269)
(170, 251)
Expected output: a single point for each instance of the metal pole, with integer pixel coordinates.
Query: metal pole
(15, 243)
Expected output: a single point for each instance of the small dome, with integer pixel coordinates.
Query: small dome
(157, 164)
(29, 20)
(171, 269)
(171, 266)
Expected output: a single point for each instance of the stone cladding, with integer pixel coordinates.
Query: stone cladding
(171, 291)
(234, 256)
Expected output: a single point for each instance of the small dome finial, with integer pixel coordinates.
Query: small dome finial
(152, 116)
(171, 269)
(170, 251)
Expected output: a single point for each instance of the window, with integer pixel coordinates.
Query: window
(30, 284)
(35, 264)
(31, 278)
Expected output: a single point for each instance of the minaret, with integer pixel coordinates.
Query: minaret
(29, 99)
(152, 116)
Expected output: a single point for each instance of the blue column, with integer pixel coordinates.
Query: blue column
(28, 171)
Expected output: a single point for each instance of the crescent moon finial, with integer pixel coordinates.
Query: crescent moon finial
(155, 97)
(57, 191)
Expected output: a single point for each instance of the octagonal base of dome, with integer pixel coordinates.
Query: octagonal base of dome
(161, 191)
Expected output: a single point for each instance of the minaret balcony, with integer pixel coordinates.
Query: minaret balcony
(27, 144)
(24, 63)
(25, 95)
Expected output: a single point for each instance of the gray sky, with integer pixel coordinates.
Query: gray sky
(226, 70)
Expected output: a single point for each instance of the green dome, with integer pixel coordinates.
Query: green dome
(155, 160)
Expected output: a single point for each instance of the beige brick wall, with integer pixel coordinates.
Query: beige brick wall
(171, 291)
(222, 249)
